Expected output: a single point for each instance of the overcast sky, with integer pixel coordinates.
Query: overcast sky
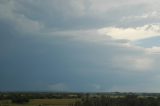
(80, 45)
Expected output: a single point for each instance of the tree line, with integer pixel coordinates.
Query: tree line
(87, 99)
(129, 100)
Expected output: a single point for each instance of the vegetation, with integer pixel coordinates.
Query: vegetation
(129, 100)
(79, 99)
(19, 99)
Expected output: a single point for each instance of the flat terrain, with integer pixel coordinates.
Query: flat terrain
(42, 102)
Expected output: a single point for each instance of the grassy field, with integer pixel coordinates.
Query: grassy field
(42, 102)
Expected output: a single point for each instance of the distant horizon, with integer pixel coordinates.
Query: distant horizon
(77, 92)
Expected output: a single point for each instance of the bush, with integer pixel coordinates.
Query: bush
(19, 99)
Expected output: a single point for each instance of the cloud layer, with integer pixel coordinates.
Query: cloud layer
(132, 34)
(82, 45)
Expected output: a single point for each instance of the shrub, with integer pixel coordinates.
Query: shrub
(19, 99)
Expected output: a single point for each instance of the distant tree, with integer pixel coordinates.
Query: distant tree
(19, 99)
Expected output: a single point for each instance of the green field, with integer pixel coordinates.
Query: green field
(42, 102)
(78, 99)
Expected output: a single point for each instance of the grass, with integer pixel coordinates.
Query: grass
(42, 102)
(53, 101)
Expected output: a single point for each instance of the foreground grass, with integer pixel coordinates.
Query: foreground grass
(42, 102)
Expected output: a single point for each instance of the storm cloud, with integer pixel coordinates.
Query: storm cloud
(64, 45)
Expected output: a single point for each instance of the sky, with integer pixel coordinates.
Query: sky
(80, 45)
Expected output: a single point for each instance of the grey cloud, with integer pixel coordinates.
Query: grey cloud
(80, 14)
(33, 63)
(55, 43)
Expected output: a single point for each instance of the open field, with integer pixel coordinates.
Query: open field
(61, 102)
(79, 99)
(42, 102)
